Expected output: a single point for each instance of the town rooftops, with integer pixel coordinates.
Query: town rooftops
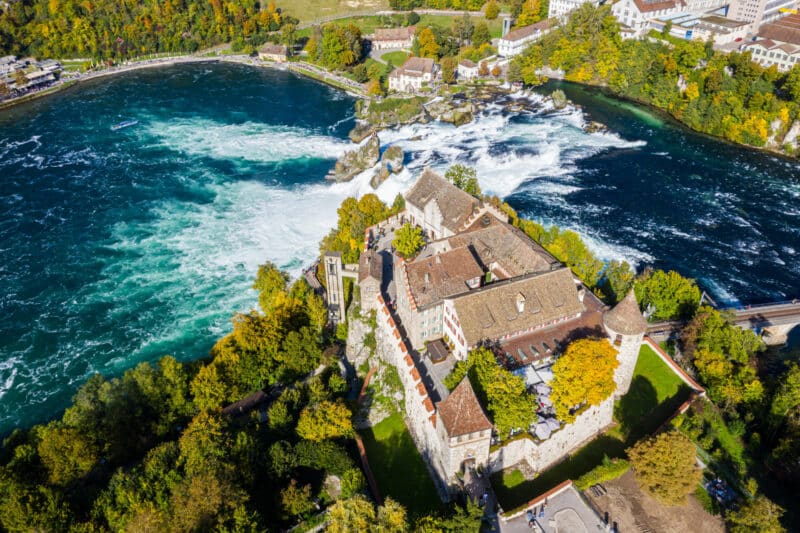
(455, 205)
(461, 412)
(527, 31)
(394, 34)
(647, 6)
(507, 308)
(504, 249)
(625, 317)
(417, 66)
(370, 265)
(785, 30)
(467, 63)
(440, 276)
(716, 20)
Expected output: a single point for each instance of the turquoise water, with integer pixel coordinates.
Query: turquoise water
(119, 247)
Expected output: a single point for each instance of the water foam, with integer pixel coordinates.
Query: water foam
(249, 141)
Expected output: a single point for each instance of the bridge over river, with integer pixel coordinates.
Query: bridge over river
(773, 321)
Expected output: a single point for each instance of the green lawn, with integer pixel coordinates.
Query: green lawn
(314, 10)
(396, 58)
(655, 394)
(398, 466)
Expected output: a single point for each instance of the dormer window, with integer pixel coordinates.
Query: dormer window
(520, 302)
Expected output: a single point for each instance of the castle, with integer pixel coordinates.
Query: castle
(479, 281)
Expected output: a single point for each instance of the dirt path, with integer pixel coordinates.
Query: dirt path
(635, 511)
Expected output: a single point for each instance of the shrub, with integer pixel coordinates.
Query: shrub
(609, 469)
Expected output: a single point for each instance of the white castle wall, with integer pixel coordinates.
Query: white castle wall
(543, 454)
(420, 411)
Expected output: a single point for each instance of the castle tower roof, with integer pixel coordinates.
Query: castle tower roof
(461, 412)
(625, 317)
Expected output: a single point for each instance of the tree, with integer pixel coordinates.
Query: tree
(672, 295)
(787, 395)
(496, 71)
(20, 80)
(480, 34)
(4, 91)
(270, 282)
(325, 420)
(391, 517)
(296, 501)
(530, 14)
(353, 514)
(791, 83)
(66, 453)
(483, 69)
(617, 280)
(504, 394)
(584, 375)
(428, 47)
(758, 514)
(408, 241)
(666, 467)
(463, 28)
(492, 10)
(289, 36)
(374, 88)
(465, 178)
(448, 69)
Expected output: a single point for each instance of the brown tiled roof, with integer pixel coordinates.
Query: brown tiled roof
(492, 312)
(527, 31)
(455, 205)
(625, 317)
(467, 63)
(766, 43)
(434, 278)
(461, 412)
(370, 265)
(646, 6)
(500, 242)
(785, 30)
(418, 64)
(532, 347)
(394, 34)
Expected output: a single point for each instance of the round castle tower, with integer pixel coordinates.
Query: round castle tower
(626, 327)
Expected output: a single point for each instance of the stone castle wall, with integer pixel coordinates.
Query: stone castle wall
(420, 410)
(540, 455)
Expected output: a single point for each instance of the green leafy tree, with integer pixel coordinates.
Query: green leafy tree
(492, 10)
(463, 27)
(480, 34)
(758, 514)
(465, 178)
(270, 282)
(66, 453)
(584, 375)
(326, 420)
(666, 467)
(408, 240)
(618, 279)
(786, 396)
(353, 514)
(670, 294)
(296, 500)
(504, 394)
(449, 66)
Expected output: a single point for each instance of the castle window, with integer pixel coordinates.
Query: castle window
(618, 340)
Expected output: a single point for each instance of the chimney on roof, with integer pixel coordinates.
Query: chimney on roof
(520, 303)
(581, 294)
(427, 277)
(438, 259)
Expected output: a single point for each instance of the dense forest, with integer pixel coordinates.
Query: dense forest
(103, 29)
(725, 95)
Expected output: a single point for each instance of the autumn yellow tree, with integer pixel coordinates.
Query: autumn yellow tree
(325, 420)
(584, 375)
(428, 47)
(530, 14)
(665, 467)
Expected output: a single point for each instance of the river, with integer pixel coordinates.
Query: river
(117, 247)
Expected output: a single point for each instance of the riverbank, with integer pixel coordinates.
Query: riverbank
(606, 93)
(74, 80)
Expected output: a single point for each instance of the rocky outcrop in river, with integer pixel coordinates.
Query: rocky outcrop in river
(391, 162)
(356, 161)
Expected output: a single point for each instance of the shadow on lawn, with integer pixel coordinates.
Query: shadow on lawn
(639, 412)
